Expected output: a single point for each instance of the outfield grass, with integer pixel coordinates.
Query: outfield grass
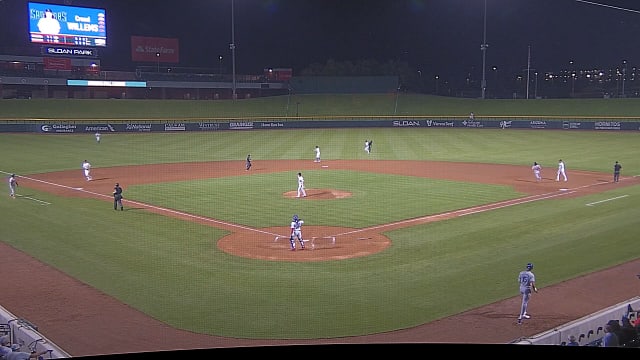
(172, 270)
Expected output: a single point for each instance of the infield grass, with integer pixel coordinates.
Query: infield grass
(173, 271)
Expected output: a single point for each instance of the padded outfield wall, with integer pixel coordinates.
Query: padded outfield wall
(79, 126)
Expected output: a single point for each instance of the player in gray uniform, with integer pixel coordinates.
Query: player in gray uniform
(13, 183)
(296, 232)
(527, 281)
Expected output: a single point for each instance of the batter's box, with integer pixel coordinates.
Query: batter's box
(323, 242)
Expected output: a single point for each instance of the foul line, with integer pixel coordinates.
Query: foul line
(155, 207)
(42, 202)
(464, 212)
(605, 200)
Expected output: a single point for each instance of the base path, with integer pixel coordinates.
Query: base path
(85, 321)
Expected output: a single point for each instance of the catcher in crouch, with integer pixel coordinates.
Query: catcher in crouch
(296, 223)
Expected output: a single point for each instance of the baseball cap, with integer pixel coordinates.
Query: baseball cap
(4, 339)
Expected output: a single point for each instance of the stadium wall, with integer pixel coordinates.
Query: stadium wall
(115, 126)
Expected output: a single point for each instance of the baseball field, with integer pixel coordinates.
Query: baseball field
(433, 223)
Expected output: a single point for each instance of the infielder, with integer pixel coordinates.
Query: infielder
(13, 183)
(536, 171)
(247, 164)
(296, 223)
(527, 281)
(86, 167)
(317, 154)
(301, 190)
(561, 171)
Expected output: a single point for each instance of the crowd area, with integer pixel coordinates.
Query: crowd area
(617, 333)
(14, 351)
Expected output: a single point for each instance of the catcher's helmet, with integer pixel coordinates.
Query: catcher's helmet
(295, 217)
(529, 266)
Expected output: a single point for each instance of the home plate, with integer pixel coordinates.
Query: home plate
(325, 166)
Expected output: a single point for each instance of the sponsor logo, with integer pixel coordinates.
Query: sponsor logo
(571, 125)
(406, 123)
(607, 125)
(272, 125)
(505, 124)
(98, 128)
(208, 126)
(59, 128)
(434, 123)
(138, 127)
(538, 124)
(472, 124)
(241, 125)
(175, 127)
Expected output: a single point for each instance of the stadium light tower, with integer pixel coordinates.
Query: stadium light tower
(232, 46)
(483, 48)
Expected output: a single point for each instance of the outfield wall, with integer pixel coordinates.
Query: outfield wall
(115, 126)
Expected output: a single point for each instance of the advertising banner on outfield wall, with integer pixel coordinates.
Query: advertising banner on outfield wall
(69, 128)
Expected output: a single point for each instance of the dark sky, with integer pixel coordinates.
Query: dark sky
(435, 36)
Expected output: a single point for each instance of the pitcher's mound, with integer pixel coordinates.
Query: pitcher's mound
(320, 194)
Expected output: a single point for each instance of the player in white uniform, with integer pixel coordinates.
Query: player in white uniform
(527, 281)
(86, 167)
(301, 190)
(296, 232)
(317, 154)
(536, 171)
(561, 171)
(13, 183)
(98, 135)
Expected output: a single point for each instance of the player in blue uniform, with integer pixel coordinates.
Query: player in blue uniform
(527, 281)
(296, 232)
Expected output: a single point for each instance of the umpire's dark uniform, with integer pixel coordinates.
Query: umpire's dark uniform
(117, 197)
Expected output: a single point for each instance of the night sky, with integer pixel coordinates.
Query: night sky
(437, 37)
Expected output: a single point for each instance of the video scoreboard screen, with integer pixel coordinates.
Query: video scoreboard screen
(67, 25)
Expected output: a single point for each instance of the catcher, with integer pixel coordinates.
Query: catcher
(117, 197)
(296, 223)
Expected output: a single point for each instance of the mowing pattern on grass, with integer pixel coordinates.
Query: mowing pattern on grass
(109, 322)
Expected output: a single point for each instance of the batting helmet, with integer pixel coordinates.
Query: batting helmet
(529, 266)
(295, 217)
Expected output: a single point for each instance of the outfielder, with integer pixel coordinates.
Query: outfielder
(527, 281)
(296, 232)
(13, 183)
